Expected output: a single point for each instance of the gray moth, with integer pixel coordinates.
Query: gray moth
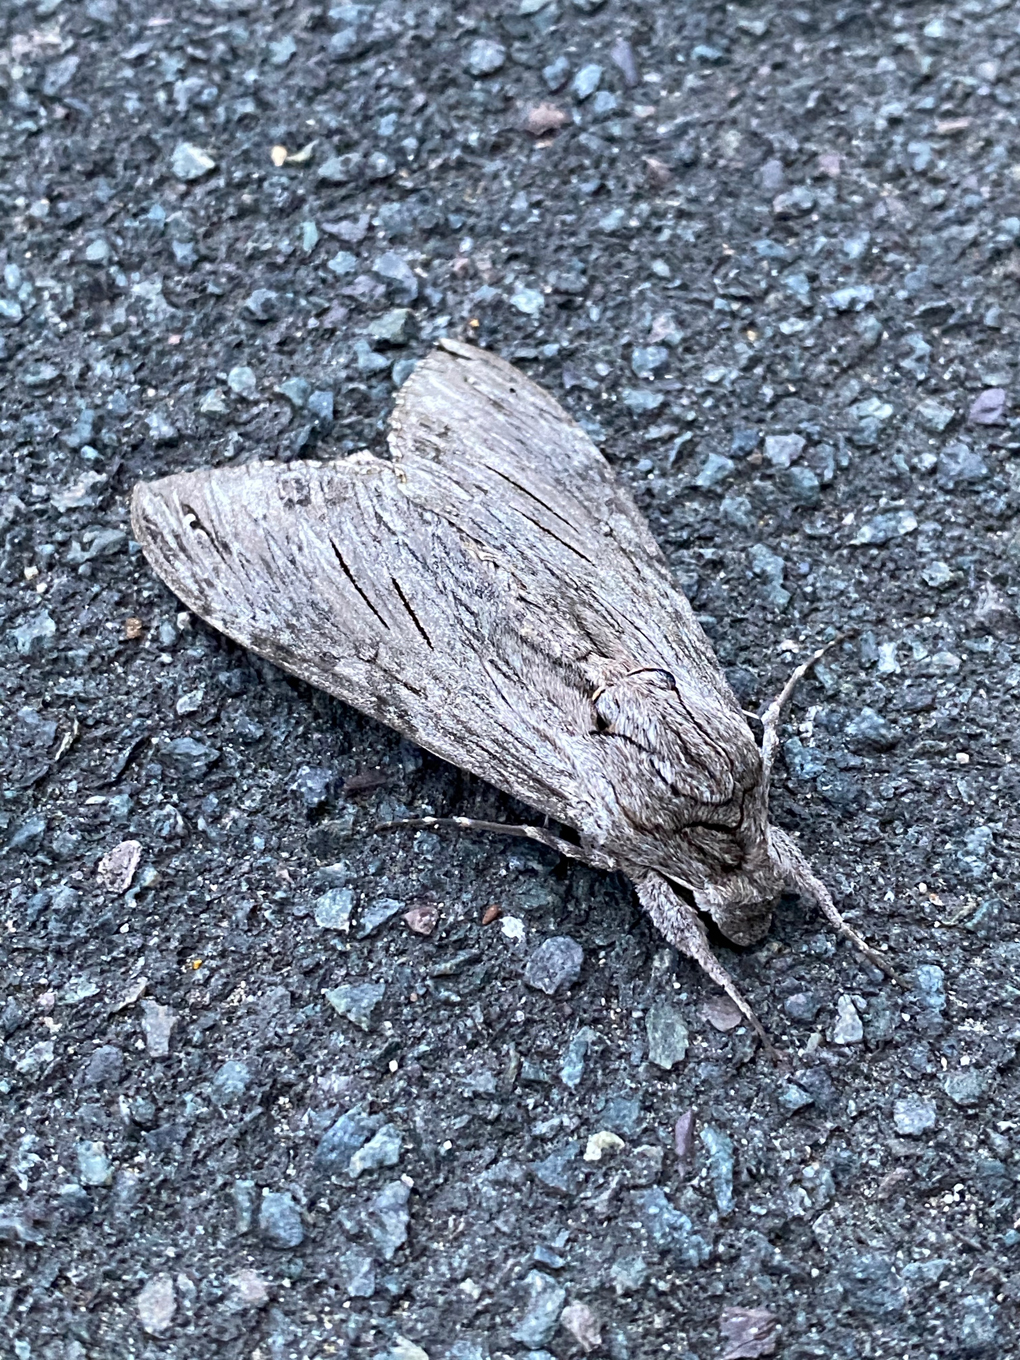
(493, 593)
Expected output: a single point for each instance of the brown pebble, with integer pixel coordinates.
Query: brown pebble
(422, 920)
(544, 118)
(491, 914)
(658, 172)
(721, 1013)
(133, 629)
(683, 1141)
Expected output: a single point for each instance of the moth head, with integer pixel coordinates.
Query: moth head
(740, 905)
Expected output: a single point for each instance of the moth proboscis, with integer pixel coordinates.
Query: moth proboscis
(495, 595)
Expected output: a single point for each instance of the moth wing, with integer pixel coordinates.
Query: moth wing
(330, 571)
(479, 424)
(481, 444)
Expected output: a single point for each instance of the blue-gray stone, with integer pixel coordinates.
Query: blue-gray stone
(341, 1141)
(555, 965)
(280, 1221)
(387, 1218)
(719, 1146)
(668, 1228)
(542, 1311)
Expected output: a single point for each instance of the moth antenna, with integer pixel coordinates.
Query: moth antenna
(771, 717)
(796, 870)
(680, 923)
(595, 858)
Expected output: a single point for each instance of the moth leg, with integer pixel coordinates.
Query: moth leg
(770, 718)
(796, 868)
(595, 858)
(682, 927)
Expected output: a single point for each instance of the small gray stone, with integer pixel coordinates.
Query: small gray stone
(965, 1087)
(933, 415)
(29, 834)
(988, 407)
(793, 1098)
(190, 162)
(647, 360)
(340, 169)
(333, 909)
(803, 762)
(668, 1228)
(93, 1164)
(782, 449)
(214, 403)
(527, 301)
(382, 1149)
(397, 275)
(851, 299)
(229, 1084)
(803, 1006)
(320, 408)
(628, 1274)
(960, 464)
(555, 965)
(263, 304)
(189, 757)
(737, 510)
(545, 1302)
(848, 1028)
(387, 1218)
(938, 575)
(356, 1001)
(883, 528)
(802, 485)
(794, 203)
(358, 1272)
(930, 987)
(343, 1139)
(719, 1146)
(242, 381)
(870, 731)
(667, 1035)
(913, 1115)
(162, 430)
(587, 81)
(641, 401)
(572, 1067)
(979, 1333)
(770, 568)
(559, 1171)
(485, 57)
(395, 327)
(555, 74)
(714, 471)
(36, 635)
(378, 914)
(280, 1221)
(343, 263)
(313, 785)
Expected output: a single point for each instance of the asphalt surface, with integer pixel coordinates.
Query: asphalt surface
(251, 1107)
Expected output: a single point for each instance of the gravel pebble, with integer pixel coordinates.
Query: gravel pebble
(280, 1221)
(555, 965)
(913, 1115)
(545, 1302)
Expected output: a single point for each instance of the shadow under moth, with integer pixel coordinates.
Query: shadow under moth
(494, 594)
